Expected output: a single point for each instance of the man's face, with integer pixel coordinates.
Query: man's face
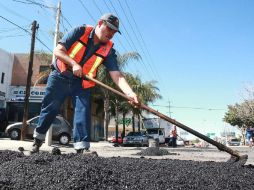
(103, 32)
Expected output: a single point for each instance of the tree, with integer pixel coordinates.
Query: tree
(147, 93)
(241, 116)
(103, 76)
(232, 116)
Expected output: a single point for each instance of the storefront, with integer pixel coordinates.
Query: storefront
(15, 102)
(15, 109)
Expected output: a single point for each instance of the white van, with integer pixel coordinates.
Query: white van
(156, 133)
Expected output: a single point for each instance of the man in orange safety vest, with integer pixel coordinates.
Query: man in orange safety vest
(80, 52)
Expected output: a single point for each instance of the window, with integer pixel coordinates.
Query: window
(152, 131)
(2, 78)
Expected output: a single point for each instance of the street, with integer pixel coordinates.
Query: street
(106, 149)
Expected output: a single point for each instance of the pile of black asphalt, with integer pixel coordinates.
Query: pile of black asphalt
(76, 171)
(154, 151)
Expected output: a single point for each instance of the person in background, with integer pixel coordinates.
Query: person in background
(80, 52)
(249, 136)
(174, 136)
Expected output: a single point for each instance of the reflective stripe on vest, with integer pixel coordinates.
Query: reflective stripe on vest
(77, 51)
(95, 66)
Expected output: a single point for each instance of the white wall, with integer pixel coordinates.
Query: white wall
(6, 64)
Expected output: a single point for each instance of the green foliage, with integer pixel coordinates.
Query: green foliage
(241, 115)
(232, 117)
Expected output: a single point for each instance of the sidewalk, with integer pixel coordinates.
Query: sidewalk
(106, 149)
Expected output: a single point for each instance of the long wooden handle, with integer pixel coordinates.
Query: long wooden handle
(182, 126)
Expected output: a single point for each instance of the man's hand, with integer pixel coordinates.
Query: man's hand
(119, 79)
(61, 53)
(134, 98)
(77, 69)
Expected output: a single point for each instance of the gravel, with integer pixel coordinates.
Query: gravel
(76, 171)
(154, 151)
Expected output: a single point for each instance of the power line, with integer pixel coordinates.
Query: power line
(63, 25)
(87, 11)
(8, 30)
(137, 28)
(66, 20)
(26, 31)
(130, 39)
(15, 13)
(44, 7)
(47, 37)
(156, 76)
(122, 24)
(121, 44)
(34, 3)
(95, 20)
(98, 7)
(12, 36)
(194, 108)
(15, 24)
(127, 33)
(118, 40)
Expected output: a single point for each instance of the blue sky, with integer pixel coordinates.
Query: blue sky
(201, 52)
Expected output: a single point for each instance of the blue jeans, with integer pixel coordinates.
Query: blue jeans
(58, 89)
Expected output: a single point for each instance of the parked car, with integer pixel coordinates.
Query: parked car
(136, 138)
(120, 140)
(61, 129)
(233, 142)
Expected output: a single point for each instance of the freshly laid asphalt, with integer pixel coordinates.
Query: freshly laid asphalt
(122, 168)
(107, 149)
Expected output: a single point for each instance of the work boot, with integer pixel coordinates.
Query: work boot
(36, 146)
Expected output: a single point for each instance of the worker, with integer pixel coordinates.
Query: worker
(174, 136)
(80, 52)
(249, 136)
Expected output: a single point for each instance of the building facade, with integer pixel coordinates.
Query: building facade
(6, 65)
(16, 90)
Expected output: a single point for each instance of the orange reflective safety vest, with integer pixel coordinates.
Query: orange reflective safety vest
(76, 52)
(174, 133)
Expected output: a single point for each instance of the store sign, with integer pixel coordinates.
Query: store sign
(18, 93)
(228, 134)
(125, 121)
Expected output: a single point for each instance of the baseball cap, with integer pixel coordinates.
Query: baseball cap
(111, 20)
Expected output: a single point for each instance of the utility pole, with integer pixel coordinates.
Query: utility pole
(48, 140)
(28, 82)
(169, 109)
